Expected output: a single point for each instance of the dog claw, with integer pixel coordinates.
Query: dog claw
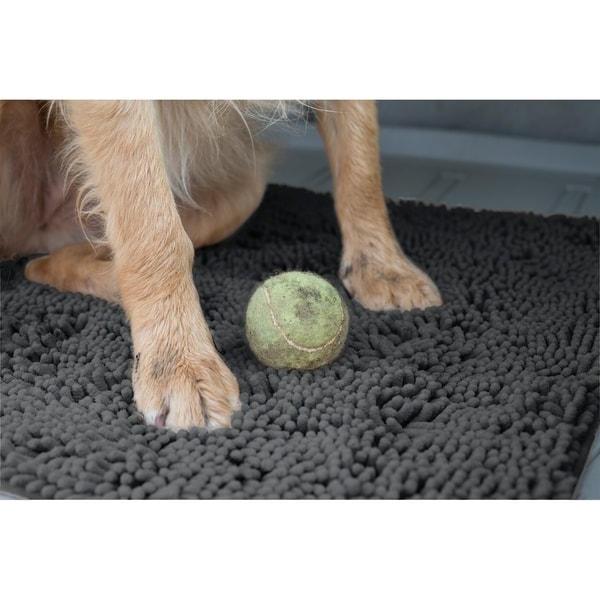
(161, 420)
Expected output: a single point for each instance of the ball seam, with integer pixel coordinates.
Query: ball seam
(290, 341)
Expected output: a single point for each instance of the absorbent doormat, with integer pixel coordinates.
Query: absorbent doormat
(492, 395)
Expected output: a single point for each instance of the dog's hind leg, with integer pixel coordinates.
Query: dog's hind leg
(88, 268)
(81, 268)
(223, 209)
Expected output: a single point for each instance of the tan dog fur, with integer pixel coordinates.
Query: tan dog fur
(154, 180)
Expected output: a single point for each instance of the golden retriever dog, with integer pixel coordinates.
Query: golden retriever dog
(117, 194)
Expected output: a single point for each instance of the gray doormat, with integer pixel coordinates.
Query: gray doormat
(492, 395)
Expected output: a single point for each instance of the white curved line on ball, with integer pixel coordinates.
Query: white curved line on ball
(291, 342)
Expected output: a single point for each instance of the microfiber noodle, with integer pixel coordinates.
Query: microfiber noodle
(492, 395)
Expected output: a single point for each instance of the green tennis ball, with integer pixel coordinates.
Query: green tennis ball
(296, 320)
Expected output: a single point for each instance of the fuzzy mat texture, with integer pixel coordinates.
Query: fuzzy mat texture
(492, 395)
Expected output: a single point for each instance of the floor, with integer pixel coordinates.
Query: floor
(464, 169)
(479, 171)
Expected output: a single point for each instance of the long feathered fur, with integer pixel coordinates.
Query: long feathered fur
(206, 145)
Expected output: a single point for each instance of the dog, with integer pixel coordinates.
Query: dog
(118, 194)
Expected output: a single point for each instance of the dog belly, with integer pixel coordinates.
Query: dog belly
(60, 229)
(43, 225)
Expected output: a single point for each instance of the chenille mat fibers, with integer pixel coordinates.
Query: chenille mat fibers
(492, 395)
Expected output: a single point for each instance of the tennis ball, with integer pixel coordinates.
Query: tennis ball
(296, 320)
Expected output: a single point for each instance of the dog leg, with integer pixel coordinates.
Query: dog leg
(223, 209)
(374, 268)
(77, 268)
(89, 269)
(179, 378)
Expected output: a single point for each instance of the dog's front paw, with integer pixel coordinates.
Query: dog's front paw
(380, 285)
(182, 390)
